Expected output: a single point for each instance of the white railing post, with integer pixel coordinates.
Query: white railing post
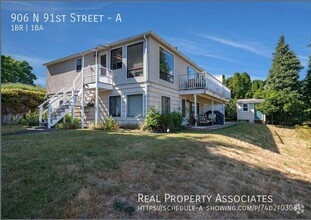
(49, 115)
(82, 94)
(40, 114)
(96, 91)
(73, 104)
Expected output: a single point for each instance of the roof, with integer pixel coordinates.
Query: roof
(250, 100)
(120, 42)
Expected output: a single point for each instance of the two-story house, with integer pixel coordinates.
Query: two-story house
(124, 78)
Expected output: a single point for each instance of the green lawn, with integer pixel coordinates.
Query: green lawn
(98, 174)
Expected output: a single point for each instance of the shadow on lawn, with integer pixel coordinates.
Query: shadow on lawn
(256, 134)
(116, 166)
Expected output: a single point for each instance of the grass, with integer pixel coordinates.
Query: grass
(11, 129)
(98, 174)
(22, 86)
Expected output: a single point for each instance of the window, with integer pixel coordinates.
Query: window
(166, 66)
(166, 104)
(134, 105)
(135, 60)
(78, 65)
(116, 58)
(115, 106)
(245, 107)
(103, 60)
(191, 72)
(183, 108)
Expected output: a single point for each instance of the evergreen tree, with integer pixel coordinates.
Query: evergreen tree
(306, 85)
(284, 73)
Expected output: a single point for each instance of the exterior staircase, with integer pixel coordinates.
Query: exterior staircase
(75, 98)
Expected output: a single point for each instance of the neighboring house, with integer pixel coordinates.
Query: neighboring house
(246, 111)
(124, 78)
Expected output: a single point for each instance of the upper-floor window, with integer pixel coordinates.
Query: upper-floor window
(78, 65)
(135, 60)
(116, 58)
(191, 72)
(245, 107)
(166, 66)
(103, 60)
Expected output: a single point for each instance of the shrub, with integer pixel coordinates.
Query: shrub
(11, 119)
(152, 121)
(111, 124)
(108, 124)
(31, 119)
(16, 96)
(162, 123)
(68, 124)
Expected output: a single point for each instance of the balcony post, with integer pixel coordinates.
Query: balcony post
(82, 94)
(96, 88)
(195, 110)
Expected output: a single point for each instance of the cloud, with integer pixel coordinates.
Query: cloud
(49, 6)
(191, 47)
(251, 47)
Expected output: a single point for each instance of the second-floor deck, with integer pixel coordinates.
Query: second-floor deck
(206, 82)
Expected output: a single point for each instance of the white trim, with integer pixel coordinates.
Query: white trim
(126, 104)
(243, 107)
(174, 78)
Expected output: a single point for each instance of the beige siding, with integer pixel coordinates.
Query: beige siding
(249, 115)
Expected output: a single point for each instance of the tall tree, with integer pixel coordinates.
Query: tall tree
(16, 71)
(284, 73)
(239, 84)
(306, 85)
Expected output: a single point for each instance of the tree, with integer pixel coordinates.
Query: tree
(306, 85)
(257, 85)
(240, 85)
(283, 107)
(284, 73)
(15, 71)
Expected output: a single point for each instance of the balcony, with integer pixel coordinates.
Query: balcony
(206, 82)
(97, 74)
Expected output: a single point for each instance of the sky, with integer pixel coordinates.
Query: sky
(222, 37)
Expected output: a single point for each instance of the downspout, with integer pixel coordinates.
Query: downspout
(146, 72)
(82, 93)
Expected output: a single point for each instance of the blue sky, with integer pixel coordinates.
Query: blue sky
(222, 37)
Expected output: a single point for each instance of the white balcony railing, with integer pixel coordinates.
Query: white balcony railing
(204, 81)
(104, 74)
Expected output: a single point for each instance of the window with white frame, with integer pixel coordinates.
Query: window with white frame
(166, 104)
(116, 58)
(245, 107)
(166, 66)
(78, 65)
(135, 105)
(115, 106)
(135, 60)
(191, 72)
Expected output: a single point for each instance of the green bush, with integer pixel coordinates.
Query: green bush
(111, 124)
(31, 119)
(15, 96)
(152, 121)
(22, 86)
(11, 119)
(68, 124)
(162, 123)
(108, 124)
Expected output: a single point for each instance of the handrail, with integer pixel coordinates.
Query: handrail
(52, 97)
